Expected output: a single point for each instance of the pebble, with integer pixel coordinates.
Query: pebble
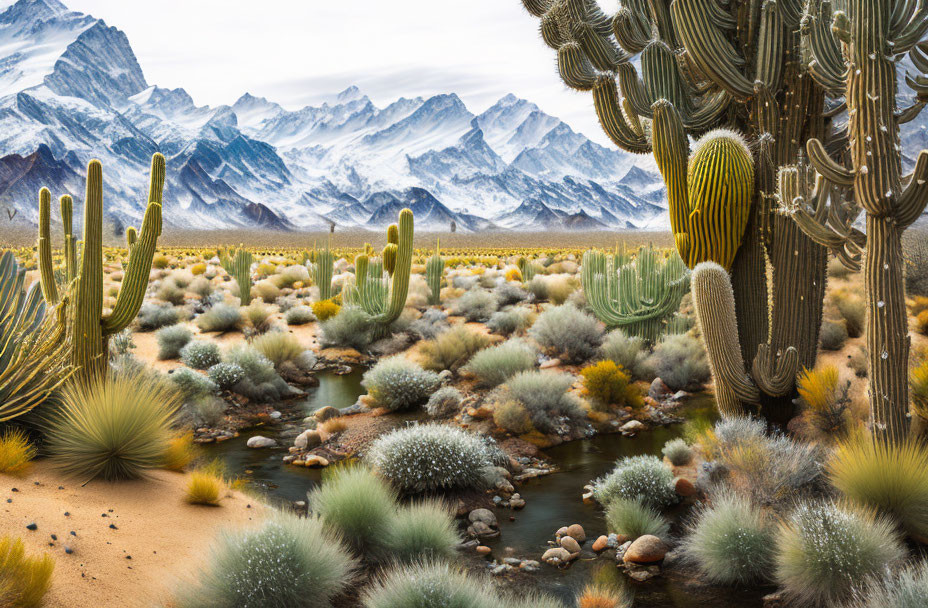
(569, 543)
(483, 550)
(601, 544)
(33, 526)
(260, 442)
(576, 532)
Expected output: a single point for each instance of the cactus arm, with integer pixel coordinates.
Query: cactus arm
(606, 101)
(671, 151)
(434, 269)
(87, 351)
(399, 289)
(575, 69)
(389, 257)
(914, 198)
(825, 63)
(629, 32)
(537, 7)
(132, 237)
(47, 273)
(70, 244)
(775, 374)
(824, 164)
(769, 62)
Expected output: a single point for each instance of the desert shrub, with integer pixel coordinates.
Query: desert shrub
(560, 289)
(915, 251)
(513, 417)
(731, 541)
(680, 361)
(474, 305)
(921, 323)
(198, 268)
(508, 294)
(630, 352)
(299, 315)
(452, 348)
(114, 427)
(357, 505)
(889, 477)
(220, 318)
(833, 335)
(325, 310)
(571, 334)
(853, 309)
(446, 401)
(609, 385)
(192, 384)
(121, 343)
(170, 292)
(678, 452)
(858, 362)
(919, 305)
(24, 579)
(225, 375)
(605, 596)
(153, 316)
(266, 290)
(202, 288)
(288, 562)
(171, 339)
(538, 288)
(279, 347)
(204, 487)
(200, 354)
(293, 274)
(824, 549)
(351, 327)
(422, 530)
(429, 457)
(205, 410)
(643, 478)
(16, 452)
(261, 381)
(160, 261)
(433, 322)
(397, 383)
(826, 400)
(546, 398)
(430, 585)
(905, 589)
(512, 320)
(258, 315)
(497, 364)
(838, 270)
(918, 381)
(630, 518)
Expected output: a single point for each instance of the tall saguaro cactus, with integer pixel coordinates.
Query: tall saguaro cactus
(434, 269)
(238, 264)
(852, 54)
(89, 328)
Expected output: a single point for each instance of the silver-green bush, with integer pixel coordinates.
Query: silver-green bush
(568, 332)
(430, 585)
(475, 305)
(629, 518)
(680, 361)
(200, 354)
(678, 452)
(544, 396)
(220, 318)
(225, 375)
(642, 477)
(397, 383)
(351, 327)
(446, 401)
(171, 339)
(497, 364)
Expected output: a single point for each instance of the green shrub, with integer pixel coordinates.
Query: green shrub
(905, 589)
(225, 375)
(824, 549)
(205, 410)
(508, 294)
(515, 319)
(299, 315)
(731, 541)
(153, 316)
(220, 318)
(258, 316)
(497, 364)
(680, 361)
(351, 327)
(423, 530)
(430, 585)
(678, 452)
(357, 505)
(288, 562)
(191, 383)
(279, 347)
(568, 332)
(200, 354)
(261, 382)
(630, 352)
(833, 335)
(171, 339)
(396, 383)
(452, 348)
(608, 385)
(629, 518)
(429, 457)
(446, 401)
(266, 290)
(513, 417)
(544, 395)
(644, 478)
(474, 305)
(113, 428)
(170, 292)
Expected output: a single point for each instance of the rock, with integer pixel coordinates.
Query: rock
(643, 574)
(483, 550)
(484, 516)
(774, 600)
(684, 487)
(601, 544)
(576, 532)
(275, 415)
(550, 363)
(561, 532)
(646, 549)
(480, 529)
(260, 442)
(570, 544)
(512, 561)
(633, 426)
(307, 440)
(326, 413)
(516, 502)
(529, 565)
(556, 556)
(658, 390)
(680, 395)
(505, 486)
(313, 461)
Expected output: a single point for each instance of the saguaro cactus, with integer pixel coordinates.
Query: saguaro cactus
(237, 262)
(322, 270)
(434, 269)
(89, 328)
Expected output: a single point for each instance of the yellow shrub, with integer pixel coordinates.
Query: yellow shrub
(160, 261)
(513, 417)
(24, 580)
(15, 452)
(198, 269)
(817, 387)
(919, 305)
(921, 323)
(180, 453)
(333, 426)
(513, 274)
(918, 379)
(601, 596)
(608, 384)
(827, 400)
(265, 269)
(325, 309)
(204, 487)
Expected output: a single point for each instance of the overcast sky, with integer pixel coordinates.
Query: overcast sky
(299, 52)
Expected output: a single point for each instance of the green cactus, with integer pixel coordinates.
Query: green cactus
(88, 328)
(237, 263)
(527, 269)
(639, 295)
(434, 269)
(132, 236)
(70, 243)
(389, 257)
(322, 270)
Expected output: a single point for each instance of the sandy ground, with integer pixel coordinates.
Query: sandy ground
(158, 539)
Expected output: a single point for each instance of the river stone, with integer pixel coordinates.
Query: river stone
(658, 390)
(601, 543)
(684, 487)
(646, 549)
(260, 442)
(633, 426)
(483, 550)
(516, 502)
(570, 544)
(576, 532)
(326, 413)
(561, 532)
(556, 556)
(483, 530)
(307, 440)
(314, 461)
(484, 516)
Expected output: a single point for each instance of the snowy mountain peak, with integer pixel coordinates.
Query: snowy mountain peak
(352, 93)
(28, 13)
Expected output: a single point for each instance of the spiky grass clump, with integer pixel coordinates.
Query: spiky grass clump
(630, 518)
(396, 383)
(200, 354)
(181, 451)
(495, 365)
(678, 452)
(892, 478)
(24, 580)
(258, 315)
(452, 348)
(171, 340)
(545, 396)
(604, 596)
(513, 417)
(423, 530)
(288, 562)
(356, 504)
(299, 315)
(279, 347)
(823, 550)
(906, 589)
(430, 585)
(918, 380)
(113, 428)
(429, 457)
(731, 541)
(608, 385)
(568, 333)
(16, 453)
(515, 319)
(827, 401)
(446, 401)
(644, 478)
(220, 318)
(204, 487)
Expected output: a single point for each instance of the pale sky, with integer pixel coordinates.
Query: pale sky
(299, 52)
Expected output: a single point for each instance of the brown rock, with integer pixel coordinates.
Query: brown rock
(570, 544)
(684, 487)
(314, 461)
(483, 550)
(646, 549)
(556, 556)
(576, 531)
(326, 413)
(601, 543)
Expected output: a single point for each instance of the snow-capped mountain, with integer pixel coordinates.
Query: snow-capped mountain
(71, 89)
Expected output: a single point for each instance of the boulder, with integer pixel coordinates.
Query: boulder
(260, 442)
(556, 556)
(485, 516)
(570, 544)
(576, 532)
(646, 549)
(633, 426)
(326, 413)
(601, 544)
(658, 390)
(684, 487)
(307, 440)
(313, 461)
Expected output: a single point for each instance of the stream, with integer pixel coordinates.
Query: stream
(552, 501)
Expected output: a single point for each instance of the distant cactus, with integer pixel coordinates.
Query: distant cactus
(527, 269)
(322, 270)
(434, 269)
(238, 262)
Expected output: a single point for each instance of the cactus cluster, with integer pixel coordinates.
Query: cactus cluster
(638, 293)
(238, 262)
(526, 269)
(321, 271)
(434, 269)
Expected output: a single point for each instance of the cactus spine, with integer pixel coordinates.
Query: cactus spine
(237, 262)
(434, 269)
